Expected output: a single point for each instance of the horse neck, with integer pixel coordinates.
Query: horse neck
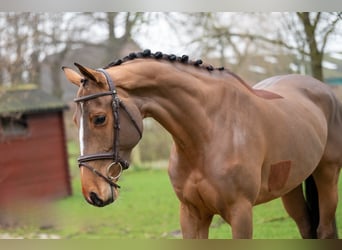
(185, 100)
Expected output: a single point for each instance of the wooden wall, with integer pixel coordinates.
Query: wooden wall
(35, 165)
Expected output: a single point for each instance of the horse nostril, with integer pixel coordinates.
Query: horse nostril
(96, 200)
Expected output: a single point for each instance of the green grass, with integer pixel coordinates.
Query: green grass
(148, 209)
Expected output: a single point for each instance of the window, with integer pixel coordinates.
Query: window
(14, 126)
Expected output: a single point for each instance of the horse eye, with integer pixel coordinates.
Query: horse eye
(99, 119)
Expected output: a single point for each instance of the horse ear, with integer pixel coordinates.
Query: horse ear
(72, 76)
(92, 74)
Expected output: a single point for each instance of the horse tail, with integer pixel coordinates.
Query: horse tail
(311, 196)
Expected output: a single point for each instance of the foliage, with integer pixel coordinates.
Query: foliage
(156, 142)
(306, 35)
(27, 39)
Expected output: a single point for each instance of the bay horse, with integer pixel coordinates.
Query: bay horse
(234, 146)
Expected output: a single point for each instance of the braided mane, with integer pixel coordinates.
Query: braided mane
(162, 56)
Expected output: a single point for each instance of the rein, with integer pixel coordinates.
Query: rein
(114, 155)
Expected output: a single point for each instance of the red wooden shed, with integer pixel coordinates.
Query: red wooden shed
(33, 154)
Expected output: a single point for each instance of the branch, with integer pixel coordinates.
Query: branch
(263, 39)
(330, 30)
(318, 17)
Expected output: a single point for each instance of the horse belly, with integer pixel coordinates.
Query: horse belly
(295, 147)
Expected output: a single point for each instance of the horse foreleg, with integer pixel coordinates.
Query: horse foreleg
(240, 217)
(326, 178)
(195, 225)
(295, 205)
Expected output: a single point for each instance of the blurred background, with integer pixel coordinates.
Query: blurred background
(35, 96)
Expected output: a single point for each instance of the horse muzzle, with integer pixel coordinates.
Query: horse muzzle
(96, 201)
(99, 198)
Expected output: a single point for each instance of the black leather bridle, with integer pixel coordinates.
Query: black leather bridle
(114, 155)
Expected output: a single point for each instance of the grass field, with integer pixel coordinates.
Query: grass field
(147, 208)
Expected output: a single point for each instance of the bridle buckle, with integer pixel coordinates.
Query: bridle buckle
(114, 164)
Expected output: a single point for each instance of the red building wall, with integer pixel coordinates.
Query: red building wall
(35, 165)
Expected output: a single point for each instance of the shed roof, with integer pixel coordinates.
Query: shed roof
(28, 100)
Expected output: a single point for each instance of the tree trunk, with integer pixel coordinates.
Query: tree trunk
(316, 56)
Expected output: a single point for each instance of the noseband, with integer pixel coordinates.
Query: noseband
(114, 155)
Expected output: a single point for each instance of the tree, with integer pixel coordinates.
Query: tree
(28, 38)
(15, 44)
(308, 34)
(318, 28)
(304, 34)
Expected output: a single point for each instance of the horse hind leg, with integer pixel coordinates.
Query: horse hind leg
(326, 179)
(296, 206)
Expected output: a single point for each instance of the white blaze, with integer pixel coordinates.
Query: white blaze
(81, 131)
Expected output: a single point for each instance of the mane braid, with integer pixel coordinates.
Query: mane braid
(171, 58)
(162, 56)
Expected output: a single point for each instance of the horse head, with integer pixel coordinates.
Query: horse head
(110, 125)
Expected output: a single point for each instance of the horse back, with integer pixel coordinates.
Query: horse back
(298, 88)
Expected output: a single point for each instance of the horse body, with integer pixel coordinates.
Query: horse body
(236, 147)
(319, 102)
